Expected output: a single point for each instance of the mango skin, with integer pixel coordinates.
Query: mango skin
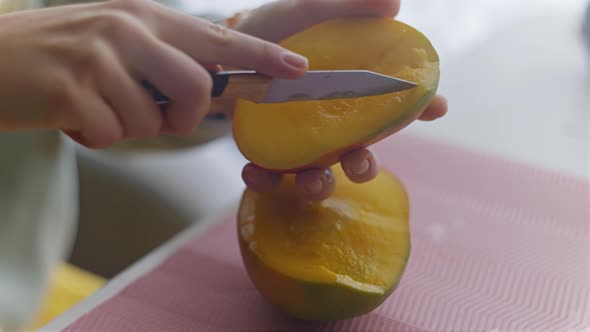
(315, 300)
(306, 300)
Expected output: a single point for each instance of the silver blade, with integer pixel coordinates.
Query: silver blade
(334, 84)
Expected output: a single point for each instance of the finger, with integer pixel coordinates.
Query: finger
(208, 42)
(99, 126)
(186, 83)
(359, 166)
(138, 113)
(316, 184)
(260, 180)
(277, 20)
(232, 48)
(437, 109)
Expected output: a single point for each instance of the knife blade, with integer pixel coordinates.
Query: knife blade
(314, 85)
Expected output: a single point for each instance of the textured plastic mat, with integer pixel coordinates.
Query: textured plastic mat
(497, 246)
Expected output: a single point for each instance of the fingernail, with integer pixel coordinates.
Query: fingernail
(361, 168)
(294, 60)
(315, 187)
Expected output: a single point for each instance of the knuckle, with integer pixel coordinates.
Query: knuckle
(61, 95)
(120, 29)
(130, 6)
(92, 57)
(114, 22)
(97, 53)
(219, 35)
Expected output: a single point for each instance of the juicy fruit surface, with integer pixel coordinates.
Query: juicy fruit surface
(355, 242)
(294, 135)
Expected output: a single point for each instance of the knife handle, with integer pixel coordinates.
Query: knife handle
(227, 87)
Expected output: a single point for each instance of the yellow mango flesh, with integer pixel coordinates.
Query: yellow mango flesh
(303, 134)
(326, 260)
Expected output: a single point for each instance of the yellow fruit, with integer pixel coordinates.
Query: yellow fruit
(298, 135)
(328, 260)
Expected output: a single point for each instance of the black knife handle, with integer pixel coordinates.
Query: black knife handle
(220, 82)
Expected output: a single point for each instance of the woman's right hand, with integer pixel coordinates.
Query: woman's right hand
(79, 69)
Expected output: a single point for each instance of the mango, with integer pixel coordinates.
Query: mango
(292, 136)
(329, 260)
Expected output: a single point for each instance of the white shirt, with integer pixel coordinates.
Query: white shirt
(38, 213)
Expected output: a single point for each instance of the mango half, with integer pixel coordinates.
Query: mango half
(328, 260)
(298, 135)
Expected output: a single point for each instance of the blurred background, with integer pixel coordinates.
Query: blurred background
(516, 74)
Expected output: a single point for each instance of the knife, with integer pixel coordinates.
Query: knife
(314, 85)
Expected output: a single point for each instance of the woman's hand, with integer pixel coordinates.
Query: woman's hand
(281, 19)
(79, 69)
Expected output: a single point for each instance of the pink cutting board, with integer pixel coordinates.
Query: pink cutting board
(497, 246)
